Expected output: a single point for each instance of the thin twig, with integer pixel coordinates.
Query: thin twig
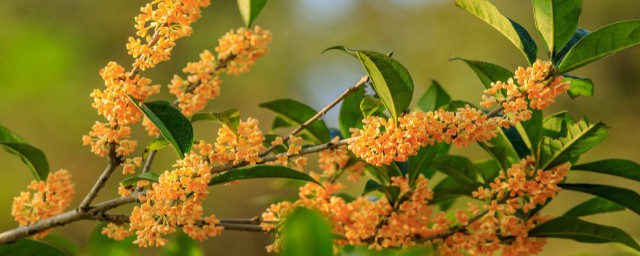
(114, 162)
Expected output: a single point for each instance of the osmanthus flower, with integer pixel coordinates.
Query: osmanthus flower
(382, 141)
(44, 200)
(103, 135)
(242, 46)
(201, 86)
(116, 232)
(158, 26)
(175, 202)
(242, 144)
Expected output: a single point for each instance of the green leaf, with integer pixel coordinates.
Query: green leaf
(459, 168)
(434, 98)
(67, 245)
(488, 72)
(26, 247)
(501, 149)
(278, 123)
(580, 86)
(489, 169)
(420, 163)
(173, 126)
(617, 167)
(249, 9)
(557, 20)
(390, 79)
(377, 173)
(487, 12)
(157, 144)
(577, 35)
(33, 157)
(229, 118)
(306, 232)
(601, 43)
(101, 245)
(131, 180)
(593, 206)
(450, 189)
(260, 171)
(531, 131)
(555, 126)
(625, 197)
(454, 105)
(370, 106)
(182, 245)
(391, 192)
(350, 114)
(581, 137)
(583, 231)
(296, 113)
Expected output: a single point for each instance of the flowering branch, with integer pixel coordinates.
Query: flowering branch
(114, 162)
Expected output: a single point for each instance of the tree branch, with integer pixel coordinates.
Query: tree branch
(114, 162)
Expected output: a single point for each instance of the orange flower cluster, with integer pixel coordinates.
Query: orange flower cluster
(335, 161)
(202, 85)
(293, 147)
(169, 20)
(243, 46)
(47, 199)
(116, 232)
(242, 144)
(175, 201)
(103, 136)
(382, 141)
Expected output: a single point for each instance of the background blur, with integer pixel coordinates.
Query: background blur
(51, 51)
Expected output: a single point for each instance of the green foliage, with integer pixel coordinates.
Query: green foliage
(625, 197)
(583, 231)
(556, 125)
(306, 233)
(601, 43)
(617, 167)
(593, 206)
(260, 171)
(33, 157)
(350, 114)
(390, 79)
(501, 149)
(490, 169)
(131, 180)
(580, 86)
(487, 12)
(422, 161)
(229, 118)
(67, 245)
(101, 245)
(26, 247)
(391, 192)
(531, 131)
(557, 20)
(577, 35)
(249, 9)
(371, 106)
(173, 126)
(448, 189)
(182, 245)
(296, 113)
(434, 98)
(580, 138)
(488, 72)
(459, 168)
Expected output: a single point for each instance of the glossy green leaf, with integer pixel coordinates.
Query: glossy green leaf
(487, 12)
(451, 189)
(182, 245)
(297, 113)
(350, 115)
(229, 118)
(131, 180)
(459, 168)
(625, 197)
(601, 43)
(617, 167)
(489, 169)
(592, 206)
(580, 86)
(306, 232)
(390, 79)
(420, 163)
(581, 137)
(370, 106)
(582, 231)
(26, 247)
(557, 20)
(577, 35)
(501, 149)
(33, 157)
(260, 171)
(101, 245)
(531, 131)
(391, 192)
(249, 9)
(488, 72)
(278, 123)
(555, 126)
(173, 126)
(157, 144)
(434, 98)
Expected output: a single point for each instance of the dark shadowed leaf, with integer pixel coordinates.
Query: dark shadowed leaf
(101, 245)
(258, 172)
(459, 168)
(531, 131)
(33, 157)
(577, 35)
(488, 72)
(617, 167)
(391, 192)
(182, 245)
(593, 206)
(625, 197)
(350, 114)
(26, 247)
(296, 113)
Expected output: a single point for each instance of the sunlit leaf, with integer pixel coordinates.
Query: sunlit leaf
(580, 86)
(557, 20)
(131, 180)
(260, 171)
(434, 98)
(370, 106)
(488, 72)
(580, 138)
(249, 9)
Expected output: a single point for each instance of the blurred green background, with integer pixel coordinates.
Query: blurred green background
(51, 51)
